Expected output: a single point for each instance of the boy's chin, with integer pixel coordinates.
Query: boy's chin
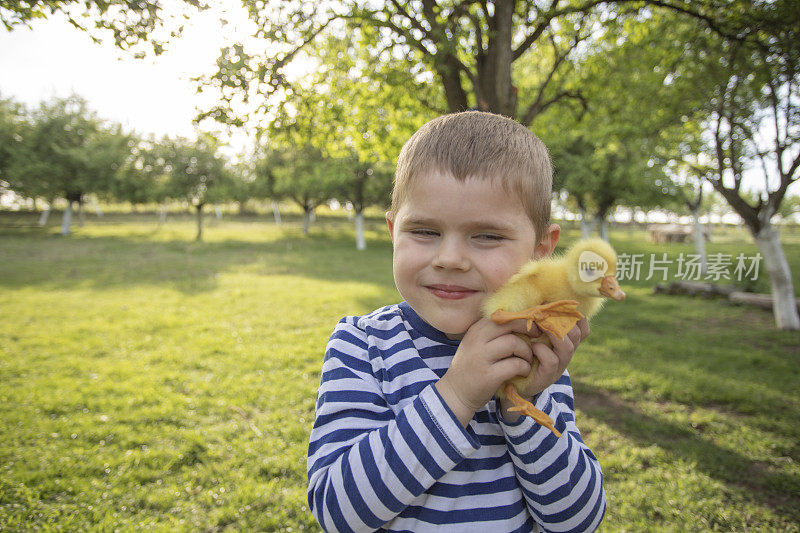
(455, 332)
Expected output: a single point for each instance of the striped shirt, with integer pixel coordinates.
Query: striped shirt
(387, 453)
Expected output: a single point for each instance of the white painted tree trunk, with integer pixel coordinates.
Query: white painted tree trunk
(162, 215)
(587, 225)
(700, 241)
(276, 213)
(218, 211)
(603, 224)
(66, 220)
(306, 222)
(44, 216)
(361, 243)
(784, 306)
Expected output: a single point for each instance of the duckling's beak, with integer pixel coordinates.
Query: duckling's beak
(609, 287)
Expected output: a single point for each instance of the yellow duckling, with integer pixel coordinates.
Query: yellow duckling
(554, 293)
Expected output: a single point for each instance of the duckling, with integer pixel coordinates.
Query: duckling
(554, 293)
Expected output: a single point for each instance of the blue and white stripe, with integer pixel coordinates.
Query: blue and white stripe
(386, 453)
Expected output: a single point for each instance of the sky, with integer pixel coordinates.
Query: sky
(150, 95)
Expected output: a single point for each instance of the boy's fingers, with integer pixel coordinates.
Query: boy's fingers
(511, 367)
(563, 348)
(561, 345)
(575, 336)
(520, 325)
(509, 345)
(548, 359)
(583, 324)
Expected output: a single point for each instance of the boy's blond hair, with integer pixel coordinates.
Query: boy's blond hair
(480, 145)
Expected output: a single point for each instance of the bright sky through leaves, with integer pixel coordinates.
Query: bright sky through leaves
(151, 95)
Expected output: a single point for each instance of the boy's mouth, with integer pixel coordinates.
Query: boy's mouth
(450, 292)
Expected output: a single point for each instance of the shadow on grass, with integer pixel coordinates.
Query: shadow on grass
(776, 490)
(155, 257)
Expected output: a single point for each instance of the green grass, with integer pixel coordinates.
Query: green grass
(149, 381)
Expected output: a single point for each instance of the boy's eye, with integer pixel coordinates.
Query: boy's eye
(490, 237)
(422, 232)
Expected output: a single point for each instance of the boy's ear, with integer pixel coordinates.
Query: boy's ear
(390, 223)
(548, 242)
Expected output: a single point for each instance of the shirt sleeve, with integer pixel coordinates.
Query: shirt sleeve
(366, 462)
(560, 478)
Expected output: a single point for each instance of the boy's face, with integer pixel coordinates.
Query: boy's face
(457, 242)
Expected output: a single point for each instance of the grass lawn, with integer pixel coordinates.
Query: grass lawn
(148, 381)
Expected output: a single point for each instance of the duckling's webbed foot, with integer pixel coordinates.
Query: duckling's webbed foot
(556, 317)
(527, 408)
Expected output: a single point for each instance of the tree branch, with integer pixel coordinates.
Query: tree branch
(539, 105)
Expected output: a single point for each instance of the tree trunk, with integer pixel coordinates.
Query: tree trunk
(700, 241)
(494, 70)
(199, 222)
(218, 211)
(451, 81)
(276, 213)
(81, 214)
(603, 225)
(306, 220)
(66, 221)
(45, 215)
(361, 243)
(162, 215)
(587, 225)
(783, 307)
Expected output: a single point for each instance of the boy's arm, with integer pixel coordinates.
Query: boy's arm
(367, 463)
(560, 477)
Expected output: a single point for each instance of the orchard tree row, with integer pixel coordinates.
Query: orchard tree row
(63, 150)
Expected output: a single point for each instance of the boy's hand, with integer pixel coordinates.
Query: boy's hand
(489, 354)
(552, 363)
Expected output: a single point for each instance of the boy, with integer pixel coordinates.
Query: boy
(407, 436)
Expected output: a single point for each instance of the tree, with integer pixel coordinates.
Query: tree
(142, 177)
(131, 22)
(365, 184)
(65, 151)
(13, 121)
(197, 174)
(752, 121)
(349, 111)
(606, 151)
(465, 49)
(472, 52)
(600, 177)
(302, 174)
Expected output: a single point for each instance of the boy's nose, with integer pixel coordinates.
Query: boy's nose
(451, 255)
